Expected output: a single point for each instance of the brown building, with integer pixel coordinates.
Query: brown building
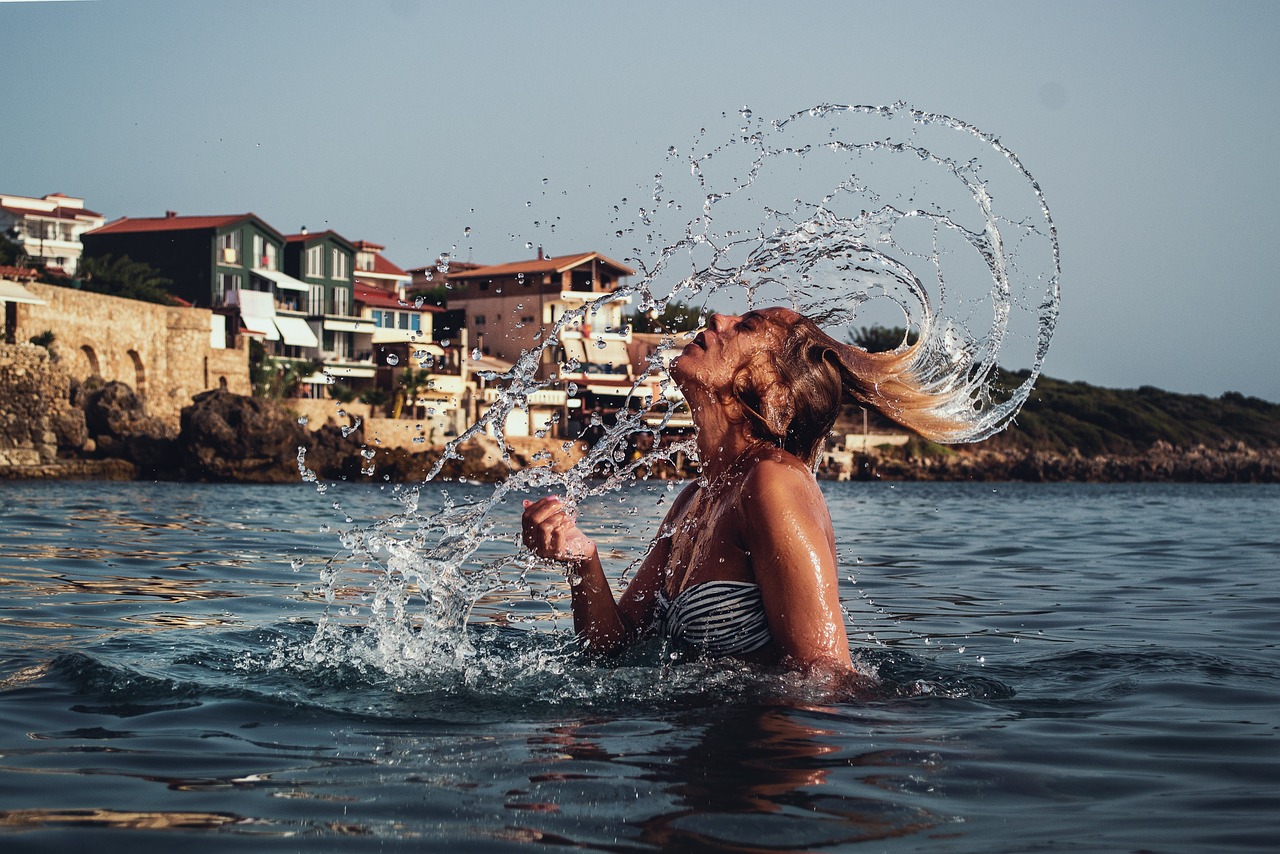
(507, 305)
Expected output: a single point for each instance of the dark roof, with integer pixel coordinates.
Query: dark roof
(309, 236)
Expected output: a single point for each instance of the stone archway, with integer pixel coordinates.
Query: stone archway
(140, 374)
(91, 358)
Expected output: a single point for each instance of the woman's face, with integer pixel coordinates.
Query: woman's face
(728, 343)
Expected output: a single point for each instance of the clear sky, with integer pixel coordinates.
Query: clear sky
(1152, 127)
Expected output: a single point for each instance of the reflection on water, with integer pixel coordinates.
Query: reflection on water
(744, 778)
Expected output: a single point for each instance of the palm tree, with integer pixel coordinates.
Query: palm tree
(412, 381)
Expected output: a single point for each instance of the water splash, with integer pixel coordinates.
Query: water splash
(849, 214)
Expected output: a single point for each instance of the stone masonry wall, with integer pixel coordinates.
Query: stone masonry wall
(162, 352)
(34, 391)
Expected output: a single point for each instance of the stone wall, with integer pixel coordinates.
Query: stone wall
(162, 352)
(34, 394)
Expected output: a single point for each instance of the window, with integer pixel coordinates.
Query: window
(229, 248)
(479, 320)
(341, 301)
(402, 318)
(264, 253)
(341, 266)
(223, 284)
(315, 261)
(315, 300)
(415, 322)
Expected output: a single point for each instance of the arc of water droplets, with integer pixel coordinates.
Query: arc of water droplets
(789, 245)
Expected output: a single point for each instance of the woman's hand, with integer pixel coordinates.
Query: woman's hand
(551, 532)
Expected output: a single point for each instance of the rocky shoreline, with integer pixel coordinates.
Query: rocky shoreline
(1163, 463)
(229, 438)
(53, 427)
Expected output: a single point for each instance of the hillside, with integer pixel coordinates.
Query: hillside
(1064, 416)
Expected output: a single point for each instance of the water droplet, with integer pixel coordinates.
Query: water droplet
(393, 359)
(476, 354)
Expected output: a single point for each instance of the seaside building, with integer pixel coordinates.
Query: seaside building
(323, 263)
(209, 259)
(509, 307)
(49, 228)
(279, 290)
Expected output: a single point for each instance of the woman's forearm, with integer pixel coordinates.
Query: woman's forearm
(597, 621)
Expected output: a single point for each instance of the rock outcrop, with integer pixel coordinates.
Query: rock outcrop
(230, 437)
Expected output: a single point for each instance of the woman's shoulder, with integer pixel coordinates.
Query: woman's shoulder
(774, 462)
(775, 473)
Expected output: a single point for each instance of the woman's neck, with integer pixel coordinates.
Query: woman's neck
(720, 446)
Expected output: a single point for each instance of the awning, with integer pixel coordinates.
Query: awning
(338, 372)
(283, 280)
(348, 326)
(296, 332)
(351, 371)
(613, 390)
(256, 324)
(14, 292)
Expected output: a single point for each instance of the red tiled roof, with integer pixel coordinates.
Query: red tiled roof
(385, 267)
(18, 274)
(125, 225)
(368, 246)
(369, 295)
(539, 265)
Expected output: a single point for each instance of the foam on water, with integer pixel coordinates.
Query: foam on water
(852, 215)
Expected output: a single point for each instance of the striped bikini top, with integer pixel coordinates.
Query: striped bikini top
(715, 618)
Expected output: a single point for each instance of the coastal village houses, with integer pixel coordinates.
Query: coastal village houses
(348, 317)
(310, 297)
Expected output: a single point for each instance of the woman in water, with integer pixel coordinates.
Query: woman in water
(744, 565)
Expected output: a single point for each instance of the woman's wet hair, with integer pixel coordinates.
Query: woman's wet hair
(793, 394)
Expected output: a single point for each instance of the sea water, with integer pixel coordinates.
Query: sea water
(1058, 667)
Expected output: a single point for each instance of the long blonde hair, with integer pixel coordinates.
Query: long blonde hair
(792, 395)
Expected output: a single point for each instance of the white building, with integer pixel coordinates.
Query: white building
(49, 228)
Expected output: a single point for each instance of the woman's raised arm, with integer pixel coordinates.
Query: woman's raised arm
(603, 624)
